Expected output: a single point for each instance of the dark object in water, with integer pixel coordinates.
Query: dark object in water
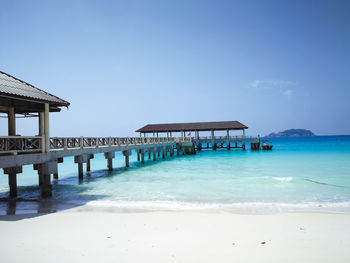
(316, 182)
(266, 145)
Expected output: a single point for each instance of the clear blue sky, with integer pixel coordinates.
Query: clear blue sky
(272, 65)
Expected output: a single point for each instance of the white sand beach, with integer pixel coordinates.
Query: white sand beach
(78, 235)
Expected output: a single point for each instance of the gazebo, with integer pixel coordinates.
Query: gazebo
(196, 127)
(21, 99)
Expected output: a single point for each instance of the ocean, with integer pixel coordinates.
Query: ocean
(300, 174)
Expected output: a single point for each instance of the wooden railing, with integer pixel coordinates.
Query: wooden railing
(83, 142)
(231, 138)
(20, 143)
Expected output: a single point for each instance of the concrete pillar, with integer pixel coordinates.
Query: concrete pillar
(243, 142)
(88, 165)
(46, 169)
(11, 122)
(142, 157)
(46, 187)
(41, 123)
(126, 154)
(47, 127)
(13, 184)
(80, 159)
(12, 179)
(80, 171)
(109, 156)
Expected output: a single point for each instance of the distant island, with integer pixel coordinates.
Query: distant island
(292, 133)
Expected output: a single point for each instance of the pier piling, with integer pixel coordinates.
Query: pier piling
(127, 153)
(110, 156)
(12, 179)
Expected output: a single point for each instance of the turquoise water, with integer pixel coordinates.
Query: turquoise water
(300, 174)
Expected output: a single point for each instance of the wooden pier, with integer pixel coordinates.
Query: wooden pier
(18, 98)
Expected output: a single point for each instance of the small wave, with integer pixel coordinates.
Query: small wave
(241, 207)
(283, 179)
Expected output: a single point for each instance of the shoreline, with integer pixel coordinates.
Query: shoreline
(12, 207)
(89, 236)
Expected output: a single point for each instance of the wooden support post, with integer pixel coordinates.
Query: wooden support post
(163, 154)
(154, 156)
(11, 122)
(214, 146)
(138, 155)
(149, 155)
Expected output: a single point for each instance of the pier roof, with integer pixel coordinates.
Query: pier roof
(26, 96)
(193, 126)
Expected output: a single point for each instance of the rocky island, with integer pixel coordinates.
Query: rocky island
(292, 133)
